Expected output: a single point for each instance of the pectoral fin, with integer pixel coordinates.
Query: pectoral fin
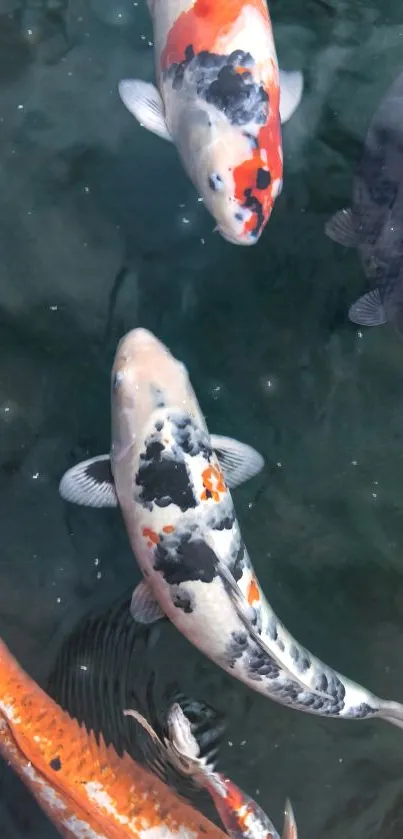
(144, 608)
(291, 89)
(143, 100)
(290, 825)
(368, 310)
(90, 483)
(239, 462)
(340, 228)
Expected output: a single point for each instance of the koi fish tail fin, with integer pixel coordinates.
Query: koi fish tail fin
(391, 712)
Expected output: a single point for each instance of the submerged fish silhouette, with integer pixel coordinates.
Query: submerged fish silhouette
(374, 223)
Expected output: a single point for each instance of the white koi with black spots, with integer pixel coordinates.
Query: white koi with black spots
(171, 479)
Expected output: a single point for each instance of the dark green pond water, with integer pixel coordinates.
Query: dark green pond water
(101, 231)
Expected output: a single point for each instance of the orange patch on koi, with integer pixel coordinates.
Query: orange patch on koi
(245, 175)
(151, 535)
(236, 803)
(202, 26)
(61, 764)
(253, 592)
(214, 484)
(168, 528)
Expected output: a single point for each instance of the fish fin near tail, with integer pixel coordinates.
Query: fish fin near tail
(290, 825)
(143, 100)
(391, 712)
(158, 758)
(291, 89)
(144, 608)
(368, 310)
(90, 483)
(239, 462)
(340, 228)
(183, 744)
(179, 750)
(130, 712)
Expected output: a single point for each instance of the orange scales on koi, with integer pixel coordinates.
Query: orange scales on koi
(84, 787)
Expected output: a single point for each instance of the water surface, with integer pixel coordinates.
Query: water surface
(101, 231)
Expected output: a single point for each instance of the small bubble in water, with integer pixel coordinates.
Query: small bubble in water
(268, 383)
(120, 13)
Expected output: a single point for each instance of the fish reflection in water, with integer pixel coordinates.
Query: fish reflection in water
(106, 655)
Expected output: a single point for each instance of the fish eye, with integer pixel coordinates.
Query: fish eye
(216, 182)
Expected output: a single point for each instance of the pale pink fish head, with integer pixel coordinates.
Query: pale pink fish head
(145, 379)
(214, 152)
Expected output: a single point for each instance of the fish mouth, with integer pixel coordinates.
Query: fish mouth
(233, 239)
(138, 338)
(137, 345)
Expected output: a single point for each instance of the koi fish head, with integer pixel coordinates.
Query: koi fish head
(229, 168)
(147, 381)
(220, 85)
(228, 134)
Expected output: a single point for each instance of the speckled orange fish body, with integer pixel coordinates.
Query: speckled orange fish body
(85, 788)
(219, 89)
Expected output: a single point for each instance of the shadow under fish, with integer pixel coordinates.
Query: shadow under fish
(374, 223)
(102, 668)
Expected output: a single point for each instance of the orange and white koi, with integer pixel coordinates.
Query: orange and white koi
(171, 479)
(241, 816)
(86, 790)
(218, 100)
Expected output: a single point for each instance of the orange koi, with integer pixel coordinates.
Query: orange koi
(86, 790)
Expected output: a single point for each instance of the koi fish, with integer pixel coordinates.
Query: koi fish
(171, 479)
(86, 790)
(240, 814)
(373, 224)
(218, 100)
